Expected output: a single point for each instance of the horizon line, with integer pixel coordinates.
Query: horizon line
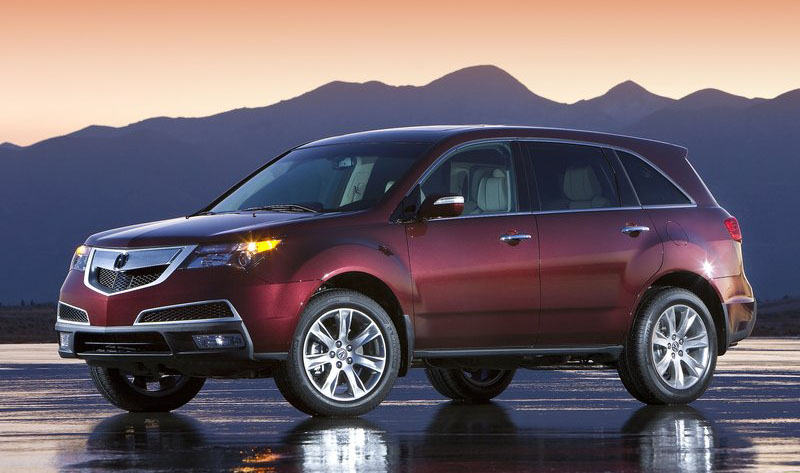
(632, 81)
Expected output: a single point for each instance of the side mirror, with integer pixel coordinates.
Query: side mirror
(441, 206)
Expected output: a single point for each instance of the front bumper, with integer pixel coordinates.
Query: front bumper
(164, 347)
(268, 312)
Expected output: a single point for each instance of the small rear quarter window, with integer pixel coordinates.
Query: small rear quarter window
(651, 186)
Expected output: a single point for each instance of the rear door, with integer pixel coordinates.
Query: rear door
(597, 246)
(475, 277)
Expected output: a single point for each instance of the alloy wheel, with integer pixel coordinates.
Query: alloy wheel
(344, 354)
(680, 347)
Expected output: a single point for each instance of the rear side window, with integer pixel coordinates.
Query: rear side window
(651, 186)
(572, 177)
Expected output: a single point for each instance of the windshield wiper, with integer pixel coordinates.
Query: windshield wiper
(282, 208)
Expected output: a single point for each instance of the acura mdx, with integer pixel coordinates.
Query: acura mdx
(469, 251)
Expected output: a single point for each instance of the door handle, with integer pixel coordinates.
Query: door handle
(634, 230)
(515, 238)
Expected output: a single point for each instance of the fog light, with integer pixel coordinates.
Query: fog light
(63, 341)
(207, 342)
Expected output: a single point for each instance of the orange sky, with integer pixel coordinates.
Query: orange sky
(65, 65)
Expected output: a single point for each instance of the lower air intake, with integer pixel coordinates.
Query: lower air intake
(72, 314)
(121, 343)
(210, 310)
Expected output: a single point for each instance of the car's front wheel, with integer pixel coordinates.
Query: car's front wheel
(470, 385)
(344, 357)
(670, 354)
(136, 393)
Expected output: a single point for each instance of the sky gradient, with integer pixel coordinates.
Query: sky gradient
(66, 65)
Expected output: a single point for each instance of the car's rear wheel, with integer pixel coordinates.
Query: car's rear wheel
(470, 385)
(136, 393)
(670, 354)
(344, 357)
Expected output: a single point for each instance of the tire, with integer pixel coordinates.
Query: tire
(686, 356)
(344, 377)
(469, 386)
(131, 396)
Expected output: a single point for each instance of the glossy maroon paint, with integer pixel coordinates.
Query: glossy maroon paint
(575, 283)
(472, 290)
(591, 274)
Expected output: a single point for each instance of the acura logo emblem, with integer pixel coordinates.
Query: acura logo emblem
(122, 258)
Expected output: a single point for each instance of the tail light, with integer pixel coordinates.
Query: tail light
(733, 228)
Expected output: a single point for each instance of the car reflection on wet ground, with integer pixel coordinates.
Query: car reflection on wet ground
(51, 419)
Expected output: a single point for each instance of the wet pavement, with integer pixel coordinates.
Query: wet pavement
(51, 419)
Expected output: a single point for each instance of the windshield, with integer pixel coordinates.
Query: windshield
(329, 178)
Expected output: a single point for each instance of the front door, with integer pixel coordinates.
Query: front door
(475, 277)
(596, 250)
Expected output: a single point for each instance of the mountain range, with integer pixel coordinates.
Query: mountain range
(54, 193)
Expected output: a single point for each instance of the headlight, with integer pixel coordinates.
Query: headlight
(237, 255)
(80, 258)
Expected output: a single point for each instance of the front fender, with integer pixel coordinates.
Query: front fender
(379, 250)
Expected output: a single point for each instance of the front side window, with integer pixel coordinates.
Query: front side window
(651, 186)
(328, 178)
(483, 174)
(572, 177)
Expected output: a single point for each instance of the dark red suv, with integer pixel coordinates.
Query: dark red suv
(470, 251)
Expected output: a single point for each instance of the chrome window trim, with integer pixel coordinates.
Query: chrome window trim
(236, 318)
(669, 206)
(462, 217)
(174, 264)
(63, 321)
(447, 154)
(566, 211)
(512, 139)
(598, 209)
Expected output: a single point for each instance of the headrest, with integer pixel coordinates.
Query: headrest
(581, 183)
(493, 192)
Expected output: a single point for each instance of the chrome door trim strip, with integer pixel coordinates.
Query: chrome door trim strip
(567, 211)
(599, 209)
(669, 206)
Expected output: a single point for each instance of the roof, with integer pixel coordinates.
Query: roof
(455, 134)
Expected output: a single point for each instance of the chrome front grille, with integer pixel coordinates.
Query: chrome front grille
(202, 311)
(116, 281)
(113, 271)
(68, 313)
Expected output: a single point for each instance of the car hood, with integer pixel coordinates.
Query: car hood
(197, 229)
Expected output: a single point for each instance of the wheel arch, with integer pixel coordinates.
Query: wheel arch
(699, 286)
(377, 290)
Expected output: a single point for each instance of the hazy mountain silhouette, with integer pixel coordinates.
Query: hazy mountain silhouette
(624, 104)
(9, 146)
(58, 191)
(713, 98)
